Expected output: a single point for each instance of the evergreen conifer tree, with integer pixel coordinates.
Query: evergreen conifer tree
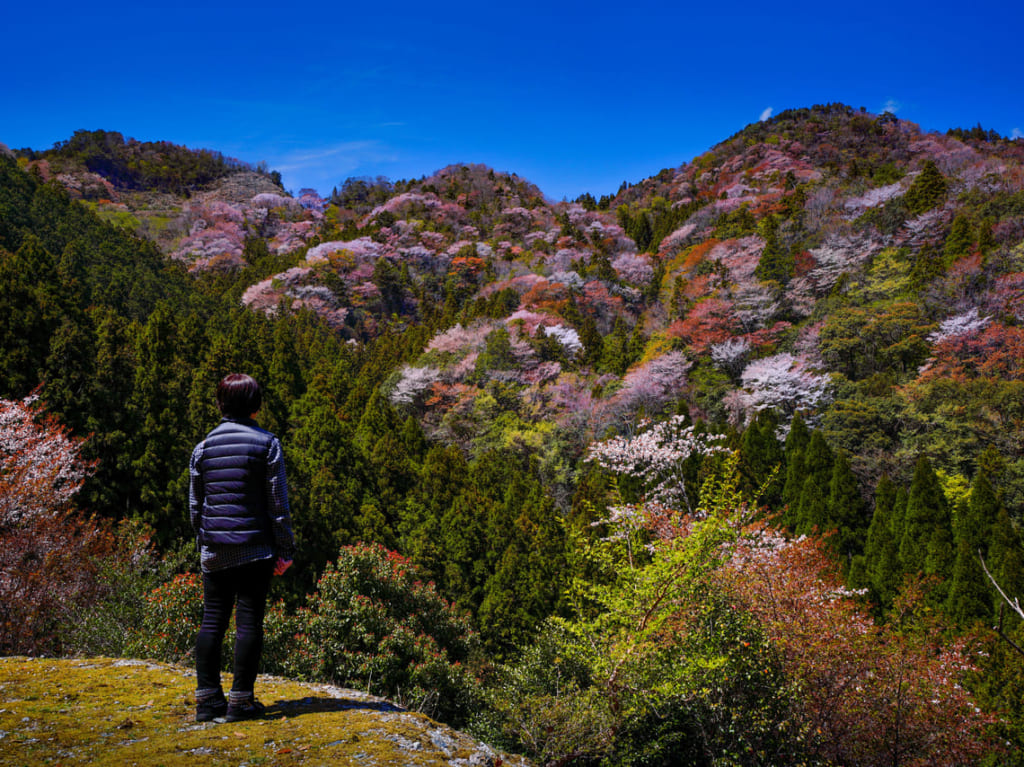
(592, 340)
(442, 477)
(881, 551)
(67, 371)
(761, 453)
(846, 510)
(1005, 558)
(378, 418)
(926, 541)
(927, 190)
(285, 383)
(813, 509)
(391, 473)
(528, 578)
(497, 353)
(776, 262)
(30, 315)
(464, 571)
(615, 355)
(326, 478)
(107, 418)
(214, 364)
(160, 445)
(959, 240)
(969, 600)
(795, 445)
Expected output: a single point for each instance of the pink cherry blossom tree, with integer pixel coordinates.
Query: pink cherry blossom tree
(40, 464)
(655, 456)
(781, 382)
(649, 387)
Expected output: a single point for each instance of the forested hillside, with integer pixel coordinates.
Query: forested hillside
(708, 467)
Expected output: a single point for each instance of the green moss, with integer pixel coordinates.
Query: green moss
(102, 711)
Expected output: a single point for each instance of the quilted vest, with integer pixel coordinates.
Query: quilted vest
(234, 470)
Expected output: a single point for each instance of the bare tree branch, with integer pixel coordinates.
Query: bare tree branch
(1013, 603)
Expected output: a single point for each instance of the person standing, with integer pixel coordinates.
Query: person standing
(238, 506)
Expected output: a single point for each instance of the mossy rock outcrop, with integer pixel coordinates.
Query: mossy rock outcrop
(103, 711)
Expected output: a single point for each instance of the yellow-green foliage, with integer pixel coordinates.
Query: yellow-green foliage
(686, 261)
(156, 224)
(101, 711)
(659, 345)
(888, 277)
(116, 215)
(955, 487)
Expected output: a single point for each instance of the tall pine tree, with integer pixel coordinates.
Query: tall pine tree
(926, 541)
(846, 511)
(813, 509)
(795, 446)
(761, 456)
(881, 551)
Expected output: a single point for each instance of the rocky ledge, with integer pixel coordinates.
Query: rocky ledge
(103, 711)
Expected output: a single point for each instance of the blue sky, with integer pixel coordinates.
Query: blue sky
(573, 96)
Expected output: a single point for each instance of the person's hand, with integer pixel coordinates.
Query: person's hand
(281, 565)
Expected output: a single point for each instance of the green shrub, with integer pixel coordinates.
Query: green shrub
(125, 577)
(545, 704)
(374, 624)
(170, 621)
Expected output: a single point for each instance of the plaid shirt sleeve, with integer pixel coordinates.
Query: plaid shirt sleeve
(277, 502)
(196, 491)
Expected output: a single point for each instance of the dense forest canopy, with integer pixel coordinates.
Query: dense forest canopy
(547, 410)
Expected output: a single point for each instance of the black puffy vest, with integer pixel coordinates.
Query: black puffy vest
(234, 470)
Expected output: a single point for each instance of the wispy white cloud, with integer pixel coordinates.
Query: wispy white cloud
(765, 114)
(321, 167)
(1016, 133)
(892, 105)
(342, 157)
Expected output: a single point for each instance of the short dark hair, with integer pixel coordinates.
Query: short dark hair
(238, 396)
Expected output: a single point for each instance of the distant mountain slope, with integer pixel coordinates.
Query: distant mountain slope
(197, 205)
(841, 239)
(824, 242)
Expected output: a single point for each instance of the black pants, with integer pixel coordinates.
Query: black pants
(247, 585)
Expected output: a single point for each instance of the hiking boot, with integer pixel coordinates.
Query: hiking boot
(210, 705)
(242, 708)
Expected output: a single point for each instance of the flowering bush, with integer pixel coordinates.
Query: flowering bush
(649, 387)
(873, 694)
(373, 623)
(47, 578)
(968, 323)
(121, 581)
(414, 384)
(171, 620)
